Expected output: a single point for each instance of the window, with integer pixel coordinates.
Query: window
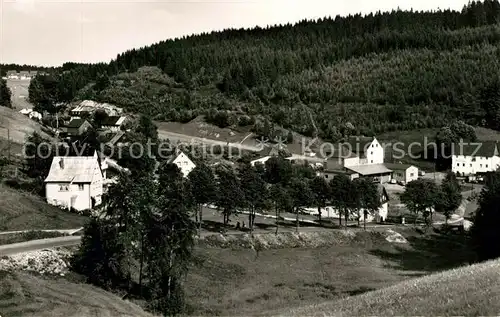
(486, 165)
(473, 159)
(463, 165)
(63, 188)
(480, 165)
(471, 165)
(372, 161)
(80, 187)
(458, 164)
(412, 174)
(371, 153)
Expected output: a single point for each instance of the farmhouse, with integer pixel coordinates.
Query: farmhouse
(12, 74)
(74, 182)
(265, 155)
(88, 107)
(114, 123)
(24, 74)
(378, 173)
(183, 162)
(379, 216)
(403, 172)
(471, 159)
(367, 149)
(76, 127)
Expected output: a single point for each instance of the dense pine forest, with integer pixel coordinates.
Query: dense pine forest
(368, 74)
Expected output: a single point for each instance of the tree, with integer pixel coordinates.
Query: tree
(301, 196)
(170, 237)
(321, 193)
(450, 196)
(101, 255)
(278, 170)
(5, 94)
(99, 116)
(281, 201)
(368, 198)
(489, 100)
(485, 236)
(254, 190)
(204, 188)
(43, 93)
(421, 197)
(229, 193)
(147, 128)
(340, 192)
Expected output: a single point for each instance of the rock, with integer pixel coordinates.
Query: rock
(394, 237)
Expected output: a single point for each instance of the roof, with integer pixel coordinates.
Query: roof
(76, 169)
(359, 144)
(76, 123)
(397, 166)
(179, 153)
(24, 72)
(486, 149)
(114, 121)
(371, 169)
(12, 72)
(382, 192)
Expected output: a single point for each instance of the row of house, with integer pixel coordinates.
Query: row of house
(357, 157)
(22, 75)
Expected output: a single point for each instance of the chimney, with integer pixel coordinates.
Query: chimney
(61, 163)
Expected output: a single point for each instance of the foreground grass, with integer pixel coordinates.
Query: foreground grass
(467, 291)
(248, 283)
(27, 295)
(28, 236)
(23, 211)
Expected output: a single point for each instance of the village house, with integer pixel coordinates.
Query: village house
(403, 172)
(379, 216)
(114, 123)
(74, 182)
(367, 150)
(88, 107)
(183, 162)
(471, 159)
(24, 74)
(378, 173)
(76, 127)
(12, 74)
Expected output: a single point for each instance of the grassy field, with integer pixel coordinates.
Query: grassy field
(24, 211)
(27, 295)
(248, 283)
(467, 291)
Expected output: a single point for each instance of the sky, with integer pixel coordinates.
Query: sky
(51, 32)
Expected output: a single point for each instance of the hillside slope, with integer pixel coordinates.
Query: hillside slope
(26, 295)
(468, 291)
(23, 211)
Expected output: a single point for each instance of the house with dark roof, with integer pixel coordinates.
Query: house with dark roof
(76, 127)
(475, 158)
(113, 123)
(74, 182)
(403, 172)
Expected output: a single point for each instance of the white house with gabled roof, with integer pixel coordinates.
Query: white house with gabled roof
(74, 182)
(183, 162)
(473, 158)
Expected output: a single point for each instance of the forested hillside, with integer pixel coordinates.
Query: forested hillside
(358, 74)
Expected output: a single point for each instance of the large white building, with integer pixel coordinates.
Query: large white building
(74, 182)
(470, 159)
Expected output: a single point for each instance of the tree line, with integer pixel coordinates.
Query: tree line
(5, 94)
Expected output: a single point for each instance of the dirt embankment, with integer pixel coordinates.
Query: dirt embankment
(300, 240)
